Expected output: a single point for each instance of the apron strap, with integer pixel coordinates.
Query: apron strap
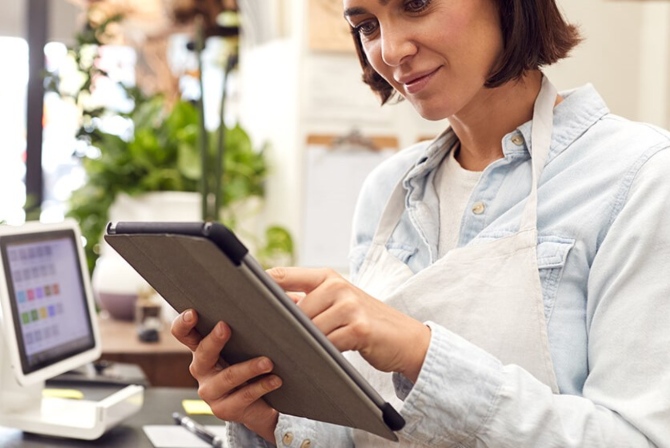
(392, 212)
(541, 129)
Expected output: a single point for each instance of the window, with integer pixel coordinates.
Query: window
(13, 91)
(62, 171)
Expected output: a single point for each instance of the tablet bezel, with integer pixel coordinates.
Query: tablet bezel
(24, 373)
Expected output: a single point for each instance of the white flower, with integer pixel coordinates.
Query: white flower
(71, 79)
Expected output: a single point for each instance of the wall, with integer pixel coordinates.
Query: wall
(12, 18)
(654, 86)
(63, 17)
(625, 54)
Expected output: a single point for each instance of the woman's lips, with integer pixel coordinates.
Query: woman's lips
(415, 85)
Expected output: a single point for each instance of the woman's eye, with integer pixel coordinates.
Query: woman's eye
(366, 28)
(416, 5)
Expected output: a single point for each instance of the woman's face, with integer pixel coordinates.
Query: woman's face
(435, 53)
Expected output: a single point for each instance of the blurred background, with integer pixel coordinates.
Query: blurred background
(293, 87)
(250, 112)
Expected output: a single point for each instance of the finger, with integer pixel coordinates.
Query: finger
(233, 377)
(295, 296)
(300, 279)
(245, 405)
(245, 396)
(329, 319)
(350, 337)
(344, 339)
(183, 329)
(335, 291)
(206, 355)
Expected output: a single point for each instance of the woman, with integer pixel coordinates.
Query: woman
(522, 253)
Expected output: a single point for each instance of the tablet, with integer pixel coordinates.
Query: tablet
(205, 267)
(46, 305)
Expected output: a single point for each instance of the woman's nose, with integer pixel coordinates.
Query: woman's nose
(396, 45)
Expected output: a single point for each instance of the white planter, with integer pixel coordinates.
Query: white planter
(115, 283)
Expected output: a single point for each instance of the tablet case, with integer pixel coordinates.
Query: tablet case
(205, 267)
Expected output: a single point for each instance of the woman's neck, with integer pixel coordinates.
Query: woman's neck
(496, 112)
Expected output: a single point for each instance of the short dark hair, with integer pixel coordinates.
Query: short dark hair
(535, 34)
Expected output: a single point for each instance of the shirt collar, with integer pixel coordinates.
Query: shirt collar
(578, 111)
(432, 155)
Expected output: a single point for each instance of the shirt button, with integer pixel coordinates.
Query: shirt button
(306, 444)
(517, 139)
(287, 439)
(478, 208)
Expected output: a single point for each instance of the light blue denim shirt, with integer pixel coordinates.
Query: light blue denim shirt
(604, 262)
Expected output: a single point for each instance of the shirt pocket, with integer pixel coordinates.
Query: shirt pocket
(552, 254)
(401, 251)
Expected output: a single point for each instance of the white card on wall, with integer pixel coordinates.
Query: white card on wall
(333, 179)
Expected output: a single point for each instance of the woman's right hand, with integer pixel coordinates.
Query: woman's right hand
(234, 392)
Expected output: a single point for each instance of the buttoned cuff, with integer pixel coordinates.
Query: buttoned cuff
(455, 393)
(296, 432)
(241, 437)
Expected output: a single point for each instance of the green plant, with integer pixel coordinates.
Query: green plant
(161, 155)
(167, 150)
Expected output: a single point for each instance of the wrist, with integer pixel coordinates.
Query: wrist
(266, 428)
(418, 352)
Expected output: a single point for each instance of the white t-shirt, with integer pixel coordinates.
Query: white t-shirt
(454, 185)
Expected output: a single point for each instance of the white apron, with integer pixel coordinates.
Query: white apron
(488, 293)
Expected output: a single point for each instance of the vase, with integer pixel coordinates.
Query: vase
(116, 285)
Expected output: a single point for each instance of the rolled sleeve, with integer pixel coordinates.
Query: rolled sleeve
(296, 432)
(240, 437)
(455, 392)
(292, 432)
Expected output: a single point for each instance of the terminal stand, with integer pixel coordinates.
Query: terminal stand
(24, 407)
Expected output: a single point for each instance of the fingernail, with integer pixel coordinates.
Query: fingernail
(265, 365)
(189, 316)
(278, 273)
(274, 382)
(220, 330)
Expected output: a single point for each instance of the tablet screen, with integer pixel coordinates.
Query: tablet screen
(47, 297)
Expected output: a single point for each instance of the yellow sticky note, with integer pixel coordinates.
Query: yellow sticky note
(196, 407)
(63, 393)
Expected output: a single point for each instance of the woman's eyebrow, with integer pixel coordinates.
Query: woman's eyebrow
(357, 11)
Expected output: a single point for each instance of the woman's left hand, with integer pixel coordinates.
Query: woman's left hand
(353, 320)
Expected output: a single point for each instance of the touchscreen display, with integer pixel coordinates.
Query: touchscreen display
(47, 297)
